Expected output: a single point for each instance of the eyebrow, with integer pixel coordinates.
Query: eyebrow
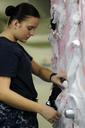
(30, 26)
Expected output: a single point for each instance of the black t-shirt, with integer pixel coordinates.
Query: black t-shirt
(15, 62)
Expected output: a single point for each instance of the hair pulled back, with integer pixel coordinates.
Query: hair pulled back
(21, 11)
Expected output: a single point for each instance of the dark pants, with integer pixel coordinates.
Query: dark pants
(14, 118)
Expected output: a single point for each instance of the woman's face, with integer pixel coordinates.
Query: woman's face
(26, 28)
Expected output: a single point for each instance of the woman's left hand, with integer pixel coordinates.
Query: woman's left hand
(59, 78)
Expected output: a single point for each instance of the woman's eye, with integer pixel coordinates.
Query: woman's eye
(29, 28)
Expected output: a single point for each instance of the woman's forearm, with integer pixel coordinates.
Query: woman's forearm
(17, 101)
(41, 71)
(45, 74)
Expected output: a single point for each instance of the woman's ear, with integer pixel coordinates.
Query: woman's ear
(16, 24)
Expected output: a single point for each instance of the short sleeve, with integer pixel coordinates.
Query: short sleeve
(30, 57)
(8, 62)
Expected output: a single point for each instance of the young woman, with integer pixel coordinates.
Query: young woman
(18, 97)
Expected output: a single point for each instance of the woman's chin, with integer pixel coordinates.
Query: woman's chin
(24, 40)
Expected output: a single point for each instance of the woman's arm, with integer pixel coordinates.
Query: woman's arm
(14, 99)
(45, 74)
(41, 71)
(17, 101)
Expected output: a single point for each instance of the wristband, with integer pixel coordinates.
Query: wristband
(52, 75)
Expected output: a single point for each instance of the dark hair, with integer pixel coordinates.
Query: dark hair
(21, 11)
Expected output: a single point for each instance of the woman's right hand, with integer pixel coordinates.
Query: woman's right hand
(50, 114)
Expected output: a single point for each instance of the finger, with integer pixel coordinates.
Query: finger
(59, 82)
(54, 120)
(58, 114)
(62, 79)
(51, 121)
(57, 117)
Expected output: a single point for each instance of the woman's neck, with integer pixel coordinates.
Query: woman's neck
(8, 34)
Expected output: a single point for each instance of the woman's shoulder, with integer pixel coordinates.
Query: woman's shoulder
(6, 42)
(8, 46)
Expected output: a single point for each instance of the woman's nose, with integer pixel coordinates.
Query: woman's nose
(32, 32)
